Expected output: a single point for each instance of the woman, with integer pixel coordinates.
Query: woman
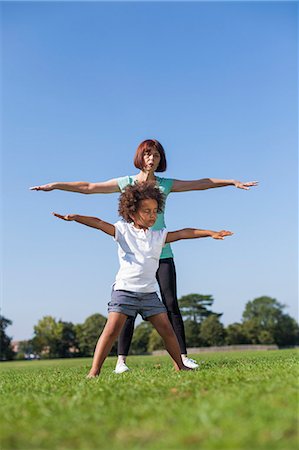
(149, 159)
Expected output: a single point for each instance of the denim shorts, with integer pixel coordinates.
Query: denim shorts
(146, 304)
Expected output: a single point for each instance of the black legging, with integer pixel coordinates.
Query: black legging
(166, 277)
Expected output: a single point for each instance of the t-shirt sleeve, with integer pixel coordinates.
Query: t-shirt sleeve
(123, 182)
(119, 230)
(164, 233)
(167, 184)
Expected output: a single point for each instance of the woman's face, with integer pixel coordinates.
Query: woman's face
(151, 160)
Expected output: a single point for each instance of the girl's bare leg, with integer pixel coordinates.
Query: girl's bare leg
(112, 329)
(164, 328)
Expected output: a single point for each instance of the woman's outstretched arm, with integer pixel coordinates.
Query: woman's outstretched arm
(83, 187)
(92, 222)
(208, 183)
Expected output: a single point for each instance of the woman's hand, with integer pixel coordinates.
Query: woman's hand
(44, 187)
(68, 217)
(221, 234)
(82, 187)
(246, 186)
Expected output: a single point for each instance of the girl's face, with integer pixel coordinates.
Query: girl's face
(151, 160)
(146, 214)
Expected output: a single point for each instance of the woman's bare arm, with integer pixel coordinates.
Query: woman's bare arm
(208, 183)
(92, 222)
(83, 187)
(193, 233)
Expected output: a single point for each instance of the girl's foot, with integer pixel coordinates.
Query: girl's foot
(93, 374)
(177, 368)
(186, 368)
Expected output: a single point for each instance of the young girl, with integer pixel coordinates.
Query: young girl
(139, 249)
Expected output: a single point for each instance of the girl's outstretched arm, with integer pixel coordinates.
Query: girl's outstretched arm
(83, 187)
(208, 183)
(92, 222)
(193, 233)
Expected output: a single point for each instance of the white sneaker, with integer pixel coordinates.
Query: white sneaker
(188, 362)
(121, 367)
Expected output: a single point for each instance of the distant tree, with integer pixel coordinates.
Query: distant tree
(25, 348)
(6, 352)
(264, 321)
(265, 337)
(235, 334)
(286, 333)
(88, 333)
(67, 346)
(192, 333)
(195, 307)
(141, 338)
(155, 341)
(54, 339)
(212, 331)
(264, 311)
(251, 331)
(47, 334)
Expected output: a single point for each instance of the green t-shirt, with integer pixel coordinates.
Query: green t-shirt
(165, 185)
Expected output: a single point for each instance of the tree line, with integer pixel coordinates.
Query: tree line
(264, 321)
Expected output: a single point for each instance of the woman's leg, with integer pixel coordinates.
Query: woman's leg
(164, 328)
(112, 329)
(125, 337)
(123, 346)
(166, 276)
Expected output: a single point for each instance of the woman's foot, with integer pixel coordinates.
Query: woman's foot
(190, 363)
(121, 367)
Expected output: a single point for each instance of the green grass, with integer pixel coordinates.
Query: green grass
(236, 400)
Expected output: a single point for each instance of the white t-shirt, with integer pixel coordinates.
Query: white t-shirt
(139, 253)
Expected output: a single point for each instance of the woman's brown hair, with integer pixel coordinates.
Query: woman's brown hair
(150, 144)
(131, 197)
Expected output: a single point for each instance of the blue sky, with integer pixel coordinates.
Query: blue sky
(84, 83)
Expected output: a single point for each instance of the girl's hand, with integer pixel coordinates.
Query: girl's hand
(221, 234)
(68, 217)
(44, 187)
(246, 186)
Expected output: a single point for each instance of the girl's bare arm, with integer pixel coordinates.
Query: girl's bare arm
(208, 183)
(83, 187)
(92, 222)
(193, 233)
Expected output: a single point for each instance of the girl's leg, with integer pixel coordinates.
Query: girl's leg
(164, 328)
(112, 329)
(166, 276)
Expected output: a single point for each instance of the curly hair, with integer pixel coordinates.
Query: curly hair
(131, 197)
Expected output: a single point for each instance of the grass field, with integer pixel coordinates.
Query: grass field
(236, 400)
